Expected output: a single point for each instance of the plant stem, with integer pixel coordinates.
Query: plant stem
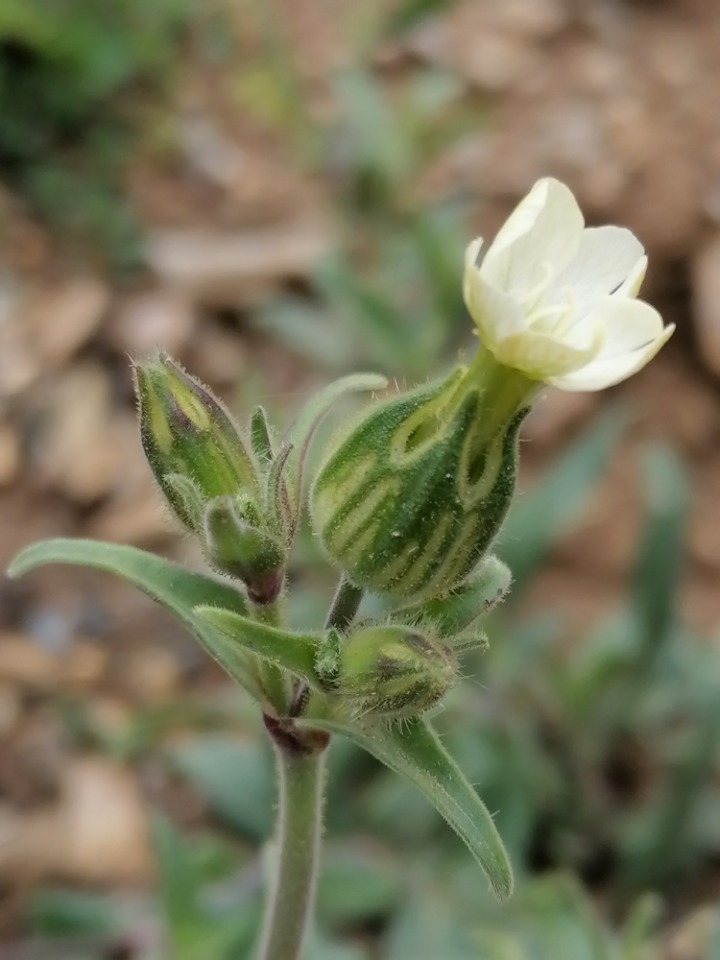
(344, 605)
(341, 614)
(289, 907)
(275, 681)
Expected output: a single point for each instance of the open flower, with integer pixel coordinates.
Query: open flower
(555, 299)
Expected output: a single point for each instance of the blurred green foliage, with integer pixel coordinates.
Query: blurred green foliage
(391, 295)
(66, 135)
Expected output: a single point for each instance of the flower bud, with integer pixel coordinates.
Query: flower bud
(186, 432)
(412, 497)
(395, 670)
(238, 547)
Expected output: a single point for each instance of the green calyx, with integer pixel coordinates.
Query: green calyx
(237, 546)
(459, 610)
(234, 500)
(186, 432)
(412, 497)
(394, 670)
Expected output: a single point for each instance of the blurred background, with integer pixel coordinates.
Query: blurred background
(278, 192)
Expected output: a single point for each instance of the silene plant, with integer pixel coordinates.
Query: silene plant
(407, 503)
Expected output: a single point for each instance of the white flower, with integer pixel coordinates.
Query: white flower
(555, 299)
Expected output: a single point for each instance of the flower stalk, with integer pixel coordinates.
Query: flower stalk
(289, 907)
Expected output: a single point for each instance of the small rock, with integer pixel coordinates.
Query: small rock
(10, 706)
(9, 454)
(706, 301)
(664, 201)
(26, 664)
(76, 451)
(59, 319)
(146, 322)
(102, 824)
(140, 520)
(134, 512)
(152, 673)
(18, 365)
(494, 61)
(695, 422)
(220, 268)
(218, 356)
(539, 19)
(83, 667)
(96, 834)
(30, 666)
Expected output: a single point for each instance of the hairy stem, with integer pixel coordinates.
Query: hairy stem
(341, 614)
(275, 681)
(344, 605)
(289, 906)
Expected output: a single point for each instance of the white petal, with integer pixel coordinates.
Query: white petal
(605, 258)
(542, 357)
(543, 233)
(471, 258)
(631, 286)
(605, 373)
(495, 313)
(627, 325)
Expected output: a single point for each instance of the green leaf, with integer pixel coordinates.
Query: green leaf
(356, 887)
(321, 947)
(261, 435)
(659, 561)
(537, 519)
(464, 605)
(414, 750)
(315, 335)
(428, 929)
(73, 913)
(177, 589)
(293, 651)
(234, 775)
(179, 887)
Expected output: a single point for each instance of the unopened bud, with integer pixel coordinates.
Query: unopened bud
(395, 671)
(186, 432)
(412, 497)
(238, 547)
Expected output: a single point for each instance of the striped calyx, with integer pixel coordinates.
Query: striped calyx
(226, 494)
(187, 432)
(412, 496)
(394, 671)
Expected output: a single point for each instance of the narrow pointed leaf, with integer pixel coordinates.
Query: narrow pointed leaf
(261, 435)
(659, 562)
(175, 588)
(477, 595)
(293, 651)
(282, 511)
(414, 750)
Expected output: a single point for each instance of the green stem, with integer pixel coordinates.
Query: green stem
(275, 681)
(290, 901)
(341, 614)
(344, 605)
